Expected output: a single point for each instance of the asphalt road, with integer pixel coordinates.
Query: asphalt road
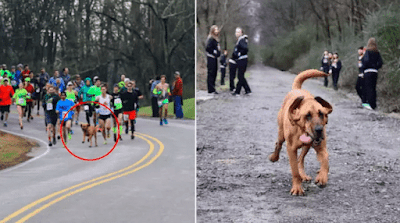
(148, 179)
(237, 183)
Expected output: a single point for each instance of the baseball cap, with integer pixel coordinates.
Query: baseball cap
(27, 79)
(95, 78)
(5, 79)
(127, 80)
(69, 83)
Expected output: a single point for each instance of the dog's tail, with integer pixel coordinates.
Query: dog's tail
(298, 81)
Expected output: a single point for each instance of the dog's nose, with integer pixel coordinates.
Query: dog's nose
(319, 129)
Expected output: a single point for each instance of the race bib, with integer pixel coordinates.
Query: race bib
(13, 83)
(359, 64)
(37, 90)
(159, 103)
(126, 117)
(117, 101)
(63, 114)
(49, 106)
(86, 107)
(325, 61)
(29, 94)
(20, 101)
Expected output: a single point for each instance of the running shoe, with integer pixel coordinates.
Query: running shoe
(367, 106)
(234, 94)
(165, 121)
(31, 117)
(248, 93)
(54, 140)
(5, 124)
(50, 143)
(28, 120)
(76, 122)
(37, 113)
(132, 136)
(105, 143)
(161, 122)
(22, 127)
(58, 137)
(72, 132)
(2, 117)
(69, 136)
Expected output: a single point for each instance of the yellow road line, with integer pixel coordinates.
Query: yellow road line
(27, 207)
(33, 213)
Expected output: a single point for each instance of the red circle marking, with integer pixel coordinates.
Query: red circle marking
(62, 138)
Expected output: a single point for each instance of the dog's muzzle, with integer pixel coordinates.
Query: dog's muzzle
(318, 135)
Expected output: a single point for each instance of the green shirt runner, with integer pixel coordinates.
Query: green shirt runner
(20, 97)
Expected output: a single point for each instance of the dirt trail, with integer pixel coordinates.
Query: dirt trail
(237, 183)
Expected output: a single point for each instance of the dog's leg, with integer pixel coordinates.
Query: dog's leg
(302, 173)
(84, 136)
(322, 155)
(278, 145)
(296, 179)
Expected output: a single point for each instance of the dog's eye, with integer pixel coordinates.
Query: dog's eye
(321, 115)
(308, 116)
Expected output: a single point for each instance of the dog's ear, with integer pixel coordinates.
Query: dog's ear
(81, 125)
(294, 116)
(324, 104)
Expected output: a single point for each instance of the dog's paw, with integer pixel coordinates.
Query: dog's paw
(305, 178)
(273, 157)
(321, 180)
(297, 190)
(83, 141)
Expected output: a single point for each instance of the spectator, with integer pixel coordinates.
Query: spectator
(78, 83)
(213, 52)
(360, 79)
(18, 75)
(371, 63)
(336, 66)
(177, 93)
(240, 57)
(325, 66)
(223, 66)
(121, 84)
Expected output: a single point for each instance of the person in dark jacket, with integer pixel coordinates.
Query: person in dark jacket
(213, 52)
(335, 68)
(371, 63)
(43, 79)
(360, 79)
(223, 66)
(239, 55)
(325, 63)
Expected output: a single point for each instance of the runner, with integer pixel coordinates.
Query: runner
(49, 104)
(29, 102)
(18, 75)
(129, 104)
(83, 93)
(6, 93)
(25, 73)
(13, 80)
(63, 106)
(71, 95)
(104, 113)
(117, 102)
(95, 91)
(43, 79)
(20, 98)
(163, 91)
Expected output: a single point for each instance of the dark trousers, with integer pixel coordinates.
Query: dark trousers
(369, 88)
(359, 88)
(223, 72)
(29, 107)
(154, 107)
(326, 70)
(242, 66)
(212, 69)
(232, 75)
(178, 106)
(335, 79)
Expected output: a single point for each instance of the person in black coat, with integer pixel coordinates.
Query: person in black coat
(325, 63)
(335, 68)
(360, 79)
(213, 52)
(371, 63)
(223, 66)
(239, 55)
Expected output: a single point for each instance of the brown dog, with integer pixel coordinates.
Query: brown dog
(302, 119)
(89, 131)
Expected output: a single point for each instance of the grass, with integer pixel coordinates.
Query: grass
(13, 149)
(188, 109)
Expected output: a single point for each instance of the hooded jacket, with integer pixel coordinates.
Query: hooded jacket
(241, 49)
(84, 91)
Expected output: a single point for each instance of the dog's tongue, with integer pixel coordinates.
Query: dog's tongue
(305, 139)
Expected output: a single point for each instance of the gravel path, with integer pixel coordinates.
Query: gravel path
(237, 183)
